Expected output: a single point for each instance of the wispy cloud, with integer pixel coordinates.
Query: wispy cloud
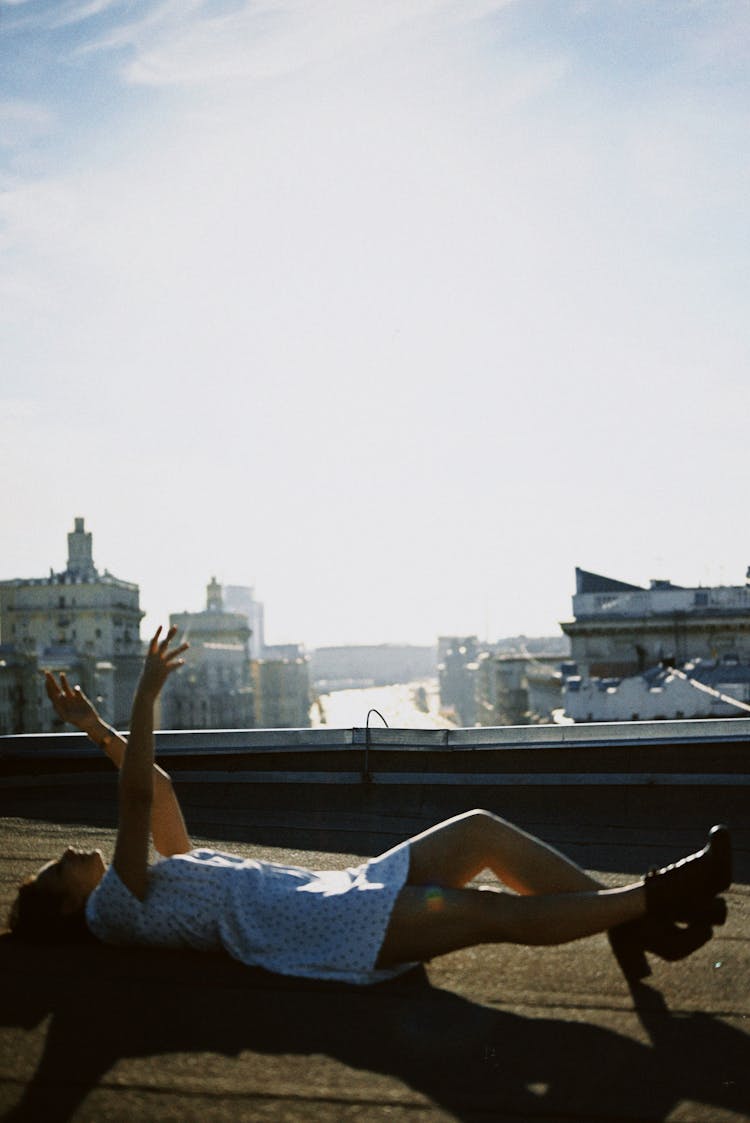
(69, 14)
(188, 42)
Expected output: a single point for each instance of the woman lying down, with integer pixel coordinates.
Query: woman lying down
(357, 925)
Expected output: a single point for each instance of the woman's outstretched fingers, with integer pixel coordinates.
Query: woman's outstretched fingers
(168, 638)
(161, 661)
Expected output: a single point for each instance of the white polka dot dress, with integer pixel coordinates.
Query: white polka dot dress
(326, 924)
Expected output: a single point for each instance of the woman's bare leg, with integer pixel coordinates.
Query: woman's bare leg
(452, 853)
(427, 921)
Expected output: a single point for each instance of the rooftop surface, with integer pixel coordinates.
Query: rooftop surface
(493, 1033)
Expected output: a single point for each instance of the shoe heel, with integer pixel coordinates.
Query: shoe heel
(629, 953)
(671, 942)
(719, 911)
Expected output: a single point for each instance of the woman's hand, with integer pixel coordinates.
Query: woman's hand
(160, 663)
(71, 705)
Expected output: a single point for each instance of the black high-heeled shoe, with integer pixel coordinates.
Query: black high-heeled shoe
(676, 891)
(665, 938)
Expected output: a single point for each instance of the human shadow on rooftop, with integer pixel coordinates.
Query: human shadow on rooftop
(105, 1005)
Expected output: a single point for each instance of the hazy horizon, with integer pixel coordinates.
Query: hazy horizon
(396, 311)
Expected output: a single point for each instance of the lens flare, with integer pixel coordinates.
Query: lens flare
(435, 899)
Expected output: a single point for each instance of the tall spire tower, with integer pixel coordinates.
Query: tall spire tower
(80, 559)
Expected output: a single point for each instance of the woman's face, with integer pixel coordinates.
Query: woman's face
(75, 874)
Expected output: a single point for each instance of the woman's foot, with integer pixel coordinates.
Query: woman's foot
(680, 890)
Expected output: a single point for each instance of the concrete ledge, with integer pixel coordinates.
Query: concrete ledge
(603, 754)
(497, 738)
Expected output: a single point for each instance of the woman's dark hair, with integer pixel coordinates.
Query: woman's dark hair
(37, 916)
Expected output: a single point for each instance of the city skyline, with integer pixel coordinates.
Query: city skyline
(398, 312)
(80, 554)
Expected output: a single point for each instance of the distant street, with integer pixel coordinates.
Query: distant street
(343, 709)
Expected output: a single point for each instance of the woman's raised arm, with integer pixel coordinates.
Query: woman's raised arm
(168, 828)
(136, 774)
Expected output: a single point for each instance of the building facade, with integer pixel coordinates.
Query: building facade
(78, 620)
(513, 681)
(282, 690)
(342, 667)
(458, 671)
(214, 689)
(518, 689)
(620, 629)
(223, 685)
(241, 598)
(622, 634)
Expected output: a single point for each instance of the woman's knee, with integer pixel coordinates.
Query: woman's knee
(474, 818)
(482, 823)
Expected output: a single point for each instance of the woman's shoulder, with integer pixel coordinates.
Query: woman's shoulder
(111, 908)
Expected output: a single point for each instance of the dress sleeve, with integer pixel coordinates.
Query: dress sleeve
(113, 913)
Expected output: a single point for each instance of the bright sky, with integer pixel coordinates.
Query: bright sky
(396, 309)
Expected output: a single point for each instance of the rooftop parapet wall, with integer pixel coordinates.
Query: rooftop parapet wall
(106, 578)
(666, 601)
(713, 752)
